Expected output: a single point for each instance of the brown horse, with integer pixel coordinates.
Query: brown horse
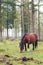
(30, 39)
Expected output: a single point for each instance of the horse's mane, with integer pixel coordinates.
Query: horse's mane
(23, 36)
(22, 44)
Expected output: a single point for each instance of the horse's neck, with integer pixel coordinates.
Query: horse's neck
(24, 36)
(22, 42)
(23, 39)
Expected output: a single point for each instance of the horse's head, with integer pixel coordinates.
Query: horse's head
(21, 46)
(22, 43)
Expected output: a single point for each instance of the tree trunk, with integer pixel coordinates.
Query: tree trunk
(28, 20)
(22, 20)
(7, 30)
(32, 15)
(7, 22)
(0, 23)
(38, 21)
(15, 30)
(25, 16)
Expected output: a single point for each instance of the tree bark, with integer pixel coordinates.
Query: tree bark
(32, 15)
(38, 21)
(7, 22)
(22, 20)
(0, 23)
(28, 20)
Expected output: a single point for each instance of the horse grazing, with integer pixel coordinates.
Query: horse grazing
(29, 39)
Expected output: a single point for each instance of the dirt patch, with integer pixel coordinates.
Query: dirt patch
(8, 63)
(3, 59)
(24, 59)
(2, 50)
(6, 56)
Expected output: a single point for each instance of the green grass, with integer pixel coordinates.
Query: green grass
(11, 48)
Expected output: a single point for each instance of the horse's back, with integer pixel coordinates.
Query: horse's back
(30, 38)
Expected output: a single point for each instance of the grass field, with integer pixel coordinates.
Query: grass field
(11, 48)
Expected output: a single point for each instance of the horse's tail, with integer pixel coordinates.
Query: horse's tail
(36, 43)
(36, 37)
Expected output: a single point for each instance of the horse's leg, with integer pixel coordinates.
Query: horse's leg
(36, 44)
(25, 48)
(33, 45)
(28, 45)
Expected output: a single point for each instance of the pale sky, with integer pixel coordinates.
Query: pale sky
(35, 2)
(41, 8)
